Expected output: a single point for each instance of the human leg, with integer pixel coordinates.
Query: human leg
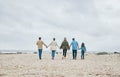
(65, 51)
(75, 54)
(82, 54)
(53, 54)
(40, 53)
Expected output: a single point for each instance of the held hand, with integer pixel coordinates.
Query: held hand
(60, 47)
(68, 48)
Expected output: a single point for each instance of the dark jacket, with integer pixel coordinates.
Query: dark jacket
(64, 45)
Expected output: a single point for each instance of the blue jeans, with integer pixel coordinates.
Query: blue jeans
(53, 54)
(40, 53)
(82, 54)
(74, 54)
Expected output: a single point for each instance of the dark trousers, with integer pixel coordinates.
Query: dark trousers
(64, 52)
(74, 54)
(82, 54)
(40, 53)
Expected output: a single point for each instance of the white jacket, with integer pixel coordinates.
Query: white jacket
(53, 45)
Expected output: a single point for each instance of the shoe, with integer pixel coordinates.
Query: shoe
(52, 58)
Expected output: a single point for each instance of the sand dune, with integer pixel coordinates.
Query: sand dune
(28, 65)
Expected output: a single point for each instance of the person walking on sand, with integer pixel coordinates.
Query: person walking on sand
(75, 47)
(53, 47)
(40, 44)
(83, 49)
(65, 47)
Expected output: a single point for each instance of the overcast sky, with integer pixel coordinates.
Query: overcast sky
(95, 22)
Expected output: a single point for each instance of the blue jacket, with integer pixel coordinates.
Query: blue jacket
(74, 45)
(83, 49)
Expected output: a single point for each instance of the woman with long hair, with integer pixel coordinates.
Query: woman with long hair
(83, 49)
(65, 47)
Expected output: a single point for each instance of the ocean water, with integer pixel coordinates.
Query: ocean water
(25, 51)
(44, 51)
(30, 51)
(17, 51)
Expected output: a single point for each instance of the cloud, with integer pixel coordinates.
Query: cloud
(94, 22)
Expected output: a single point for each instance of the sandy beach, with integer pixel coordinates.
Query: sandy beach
(28, 65)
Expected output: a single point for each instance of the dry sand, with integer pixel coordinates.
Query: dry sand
(28, 65)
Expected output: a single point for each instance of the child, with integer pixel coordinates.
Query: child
(83, 49)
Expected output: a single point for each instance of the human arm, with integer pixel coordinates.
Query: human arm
(61, 45)
(78, 45)
(57, 45)
(85, 49)
(45, 44)
(70, 45)
(50, 44)
(37, 43)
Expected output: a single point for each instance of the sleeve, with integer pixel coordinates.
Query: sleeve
(61, 45)
(44, 43)
(77, 43)
(37, 43)
(57, 45)
(71, 43)
(50, 44)
(85, 48)
(68, 45)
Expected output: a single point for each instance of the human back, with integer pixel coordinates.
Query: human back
(65, 45)
(53, 45)
(74, 45)
(40, 44)
(83, 48)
